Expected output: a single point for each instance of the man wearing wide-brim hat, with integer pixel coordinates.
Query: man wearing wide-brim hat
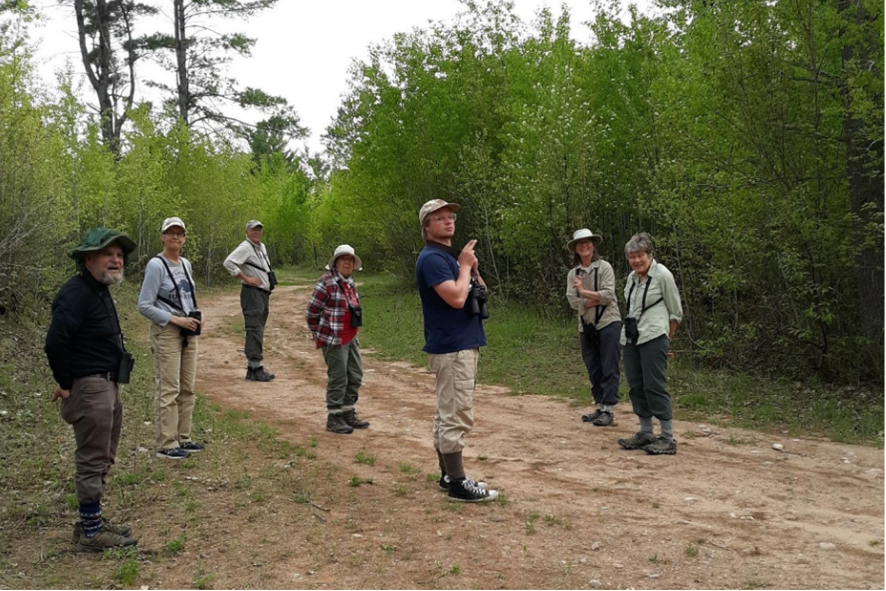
(89, 361)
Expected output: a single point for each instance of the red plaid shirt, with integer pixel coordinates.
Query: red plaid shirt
(328, 309)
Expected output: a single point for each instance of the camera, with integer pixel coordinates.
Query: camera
(356, 317)
(193, 333)
(272, 280)
(632, 330)
(477, 300)
(124, 367)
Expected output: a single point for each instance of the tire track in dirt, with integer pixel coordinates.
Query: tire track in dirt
(760, 515)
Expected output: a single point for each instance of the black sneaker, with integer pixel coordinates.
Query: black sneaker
(259, 374)
(175, 453)
(192, 447)
(605, 419)
(444, 482)
(468, 491)
(638, 440)
(662, 446)
(337, 424)
(591, 417)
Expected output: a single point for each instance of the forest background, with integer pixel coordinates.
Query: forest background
(745, 136)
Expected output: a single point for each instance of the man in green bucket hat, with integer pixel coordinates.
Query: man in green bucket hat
(89, 361)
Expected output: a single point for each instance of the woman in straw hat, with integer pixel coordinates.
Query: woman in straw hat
(334, 318)
(590, 289)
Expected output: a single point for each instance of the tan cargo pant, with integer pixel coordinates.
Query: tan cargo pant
(456, 381)
(175, 373)
(95, 411)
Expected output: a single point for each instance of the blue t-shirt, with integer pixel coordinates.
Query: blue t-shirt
(447, 329)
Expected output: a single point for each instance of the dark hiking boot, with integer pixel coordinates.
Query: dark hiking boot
(121, 530)
(259, 374)
(638, 440)
(103, 540)
(591, 417)
(337, 424)
(468, 491)
(353, 420)
(605, 419)
(444, 482)
(662, 446)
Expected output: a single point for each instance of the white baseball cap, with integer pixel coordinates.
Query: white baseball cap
(253, 224)
(170, 222)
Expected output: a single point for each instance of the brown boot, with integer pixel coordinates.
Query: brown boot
(121, 530)
(103, 540)
(351, 419)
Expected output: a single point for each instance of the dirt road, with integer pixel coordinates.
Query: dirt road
(728, 511)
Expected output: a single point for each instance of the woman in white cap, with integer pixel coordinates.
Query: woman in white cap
(169, 301)
(334, 318)
(590, 289)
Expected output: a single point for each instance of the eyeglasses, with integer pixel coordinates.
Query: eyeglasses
(444, 218)
(176, 234)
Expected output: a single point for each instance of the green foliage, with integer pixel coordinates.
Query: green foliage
(721, 128)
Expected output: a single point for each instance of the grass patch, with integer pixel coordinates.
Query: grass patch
(176, 546)
(364, 458)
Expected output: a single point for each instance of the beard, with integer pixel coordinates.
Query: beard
(108, 279)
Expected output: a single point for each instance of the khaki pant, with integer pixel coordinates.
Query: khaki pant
(95, 411)
(456, 381)
(175, 373)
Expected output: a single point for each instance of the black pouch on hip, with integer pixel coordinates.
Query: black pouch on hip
(272, 279)
(124, 367)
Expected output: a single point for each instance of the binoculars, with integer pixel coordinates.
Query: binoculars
(193, 333)
(477, 300)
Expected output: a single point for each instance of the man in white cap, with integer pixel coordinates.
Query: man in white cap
(448, 281)
(249, 262)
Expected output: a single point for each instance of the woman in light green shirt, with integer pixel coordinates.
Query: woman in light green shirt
(653, 311)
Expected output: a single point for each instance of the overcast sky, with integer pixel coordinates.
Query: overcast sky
(304, 47)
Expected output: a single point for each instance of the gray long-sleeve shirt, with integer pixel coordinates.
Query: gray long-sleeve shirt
(255, 254)
(158, 283)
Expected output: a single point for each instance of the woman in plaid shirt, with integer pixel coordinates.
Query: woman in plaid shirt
(334, 318)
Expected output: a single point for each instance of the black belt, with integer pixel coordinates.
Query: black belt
(254, 287)
(107, 375)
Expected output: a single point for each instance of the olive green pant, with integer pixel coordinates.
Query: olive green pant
(344, 376)
(256, 304)
(95, 411)
(175, 375)
(646, 368)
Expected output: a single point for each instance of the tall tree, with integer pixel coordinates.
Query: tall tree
(203, 95)
(109, 49)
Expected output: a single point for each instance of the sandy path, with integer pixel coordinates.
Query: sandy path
(727, 511)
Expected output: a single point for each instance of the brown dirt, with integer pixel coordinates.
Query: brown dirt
(728, 511)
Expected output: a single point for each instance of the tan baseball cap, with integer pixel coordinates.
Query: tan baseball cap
(432, 206)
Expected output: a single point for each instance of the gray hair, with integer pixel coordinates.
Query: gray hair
(639, 242)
